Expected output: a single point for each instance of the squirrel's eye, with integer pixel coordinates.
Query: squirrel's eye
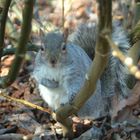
(63, 47)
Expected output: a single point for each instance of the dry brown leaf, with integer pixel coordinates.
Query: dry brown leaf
(125, 108)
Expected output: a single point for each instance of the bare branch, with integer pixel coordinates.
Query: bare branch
(63, 14)
(98, 66)
(3, 18)
(128, 61)
(21, 50)
(29, 47)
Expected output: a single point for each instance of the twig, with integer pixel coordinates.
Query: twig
(128, 61)
(63, 14)
(29, 47)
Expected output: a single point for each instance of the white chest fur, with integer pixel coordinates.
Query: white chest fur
(53, 96)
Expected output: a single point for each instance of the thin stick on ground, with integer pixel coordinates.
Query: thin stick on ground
(26, 103)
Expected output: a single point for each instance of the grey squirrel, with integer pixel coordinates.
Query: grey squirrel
(60, 69)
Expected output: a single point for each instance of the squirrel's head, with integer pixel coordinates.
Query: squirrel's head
(53, 49)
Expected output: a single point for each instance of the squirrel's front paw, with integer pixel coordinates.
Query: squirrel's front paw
(32, 82)
(33, 85)
(64, 100)
(49, 83)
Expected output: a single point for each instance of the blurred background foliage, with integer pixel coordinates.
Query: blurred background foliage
(48, 15)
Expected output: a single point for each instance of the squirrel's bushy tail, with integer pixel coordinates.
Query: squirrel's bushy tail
(114, 77)
(85, 37)
(119, 36)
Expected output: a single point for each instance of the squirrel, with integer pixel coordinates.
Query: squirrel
(61, 66)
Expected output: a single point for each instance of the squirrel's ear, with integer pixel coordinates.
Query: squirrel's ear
(65, 34)
(41, 33)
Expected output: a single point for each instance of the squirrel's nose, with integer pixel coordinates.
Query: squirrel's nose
(53, 61)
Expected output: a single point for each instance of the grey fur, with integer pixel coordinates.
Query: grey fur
(85, 37)
(115, 74)
(71, 67)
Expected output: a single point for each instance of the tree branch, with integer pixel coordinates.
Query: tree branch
(21, 50)
(3, 17)
(63, 14)
(29, 47)
(97, 67)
